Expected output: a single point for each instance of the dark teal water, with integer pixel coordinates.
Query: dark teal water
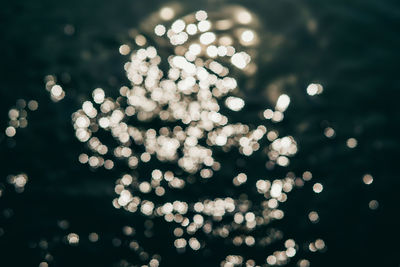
(350, 47)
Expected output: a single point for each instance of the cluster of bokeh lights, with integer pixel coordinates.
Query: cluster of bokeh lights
(188, 99)
(189, 93)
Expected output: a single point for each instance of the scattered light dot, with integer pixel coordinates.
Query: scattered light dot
(307, 176)
(178, 26)
(271, 260)
(318, 188)
(10, 131)
(303, 263)
(247, 36)
(191, 29)
(244, 17)
(201, 15)
(319, 244)
(368, 179)
(159, 30)
(124, 49)
(207, 38)
(33, 105)
(98, 95)
(73, 239)
(240, 60)
(314, 89)
(268, 114)
(204, 25)
(313, 217)
(290, 252)
(93, 237)
(140, 40)
(351, 142)
(234, 103)
(329, 132)
(167, 13)
(69, 29)
(283, 102)
(373, 204)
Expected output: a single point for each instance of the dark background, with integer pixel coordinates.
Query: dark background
(351, 47)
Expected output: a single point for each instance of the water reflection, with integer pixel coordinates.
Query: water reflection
(184, 74)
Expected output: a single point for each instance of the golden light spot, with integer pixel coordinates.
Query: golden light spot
(247, 36)
(83, 158)
(73, 239)
(140, 40)
(307, 176)
(351, 142)
(212, 51)
(319, 244)
(160, 30)
(234, 103)
(290, 252)
(167, 13)
(303, 263)
(250, 241)
(329, 132)
(145, 187)
(317, 187)
(241, 178)
(314, 89)
(191, 29)
(160, 191)
(180, 243)
(244, 17)
(154, 263)
(145, 157)
(282, 161)
(368, 179)
(178, 26)
(276, 189)
(10, 131)
(204, 25)
(313, 217)
(124, 49)
(277, 117)
(201, 15)
(271, 260)
(240, 60)
(268, 114)
(57, 93)
(207, 38)
(290, 243)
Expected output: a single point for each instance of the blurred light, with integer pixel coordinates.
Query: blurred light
(167, 13)
(234, 103)
(351, 142)
(318, 188)
(368, 179)
(283, 102)
(373, 204)
(159, 30)
(314, 89)
(247, 36)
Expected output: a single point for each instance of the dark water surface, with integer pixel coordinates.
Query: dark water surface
(350, 47)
